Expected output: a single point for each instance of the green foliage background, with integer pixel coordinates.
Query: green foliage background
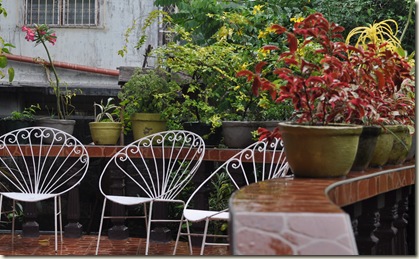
(347, 13)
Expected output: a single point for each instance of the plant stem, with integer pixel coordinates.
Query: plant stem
(57, 84)
(408, 19)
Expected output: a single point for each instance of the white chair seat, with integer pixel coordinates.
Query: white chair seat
(154, 168)
(40, 163)
(27, 197)
(127, 200)
(199, 215)
(251, 164)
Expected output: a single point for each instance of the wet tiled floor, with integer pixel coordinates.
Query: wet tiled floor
(86, 245)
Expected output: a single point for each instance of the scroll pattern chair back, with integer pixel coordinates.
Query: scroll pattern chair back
(155, 168)
(34, 171)
(259, 161)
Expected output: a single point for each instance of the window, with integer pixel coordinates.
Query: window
(165, 36)
(62, 12)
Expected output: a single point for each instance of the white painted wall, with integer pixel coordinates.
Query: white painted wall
(96, 47)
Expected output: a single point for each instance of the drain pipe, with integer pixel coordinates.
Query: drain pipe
(104, 71)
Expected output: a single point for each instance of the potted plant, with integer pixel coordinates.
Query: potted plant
(107, 128)
(326, 87)
(145, 98)
(391, 85)
(211, 94)
(196, 107)
(17, 119)
(315, 74)
(42, 34)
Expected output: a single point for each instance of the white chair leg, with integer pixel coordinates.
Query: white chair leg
(204, 237)
(55, 223)
(189, 238)
(61, 218)
(100, 225)
(149, 227)
(145, 215)
(146, 226)
(13, 221)
(178, 235)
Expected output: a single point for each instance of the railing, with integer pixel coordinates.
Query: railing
(364, 213)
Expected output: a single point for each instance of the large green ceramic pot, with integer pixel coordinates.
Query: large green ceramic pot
(366, 147)
(382, 149)
(144, 124)
(320, 151)
(402, 141)
(105, 133)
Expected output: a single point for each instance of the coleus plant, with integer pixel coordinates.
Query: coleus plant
(383, 78)
(324, 77)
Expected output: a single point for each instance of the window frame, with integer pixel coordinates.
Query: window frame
(61, 13)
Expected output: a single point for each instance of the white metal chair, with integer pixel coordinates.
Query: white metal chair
(36, 171)
(258, 162)
(159, 166)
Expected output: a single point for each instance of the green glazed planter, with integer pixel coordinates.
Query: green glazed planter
(144, 124)
(402, 141)
(320, 151)
(382, 149)
(105, 133)
(366, 146)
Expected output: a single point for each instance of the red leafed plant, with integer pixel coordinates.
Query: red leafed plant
(329, 81)
(383, 79)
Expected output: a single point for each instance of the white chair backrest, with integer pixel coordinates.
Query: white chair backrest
(31, 165)
(156, 166)
(259, 161)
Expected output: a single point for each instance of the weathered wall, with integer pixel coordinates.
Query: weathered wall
(97, 47)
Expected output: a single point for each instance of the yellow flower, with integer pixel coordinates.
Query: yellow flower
(270, 29)
(263, 52)
(262, 34)
(295, 20)
(257, 9)
(237, 88)
(223, 32)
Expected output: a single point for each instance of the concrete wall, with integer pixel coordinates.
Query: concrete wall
(96, 47)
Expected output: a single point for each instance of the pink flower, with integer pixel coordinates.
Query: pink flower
(52, 38)
(30, 34)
